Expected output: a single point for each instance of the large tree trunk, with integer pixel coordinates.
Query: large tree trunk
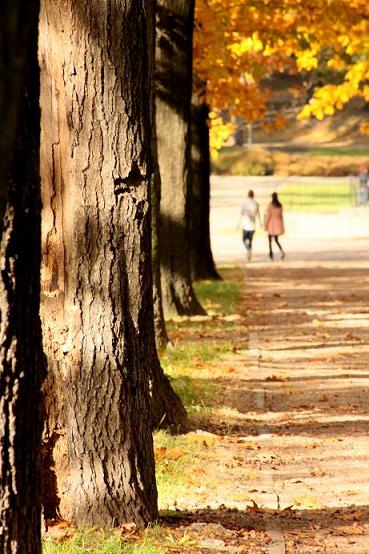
(173, 77)
(202, 262)
(20, 331)
(97, 310)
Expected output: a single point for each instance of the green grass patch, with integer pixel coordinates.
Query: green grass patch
(290, 160)
(192, 362)
(324, 197)
(195, 395)
(337, 151)
(97, 541)
(174, 466)
(190, 367)
(184, 358)
(220, 297)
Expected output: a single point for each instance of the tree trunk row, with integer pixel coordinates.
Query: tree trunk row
(105, 388)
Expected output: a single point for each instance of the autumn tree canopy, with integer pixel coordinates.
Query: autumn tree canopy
(239, 43)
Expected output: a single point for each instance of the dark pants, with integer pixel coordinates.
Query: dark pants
(247, 237)
(275, 237)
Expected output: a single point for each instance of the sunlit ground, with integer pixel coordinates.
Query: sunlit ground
(289, 413)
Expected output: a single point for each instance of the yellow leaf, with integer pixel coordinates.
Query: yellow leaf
(307, 501)
(164, 453)
(202, 437)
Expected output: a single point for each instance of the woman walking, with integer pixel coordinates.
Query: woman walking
(274, 224)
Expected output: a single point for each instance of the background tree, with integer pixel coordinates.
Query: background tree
(97, 309)
(202, 262)
(173, 79)
(167, 408)
(20, 333)
(338, 37)
(230, 61)
(161, 336)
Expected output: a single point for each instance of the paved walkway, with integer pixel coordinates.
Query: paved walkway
(308, 375)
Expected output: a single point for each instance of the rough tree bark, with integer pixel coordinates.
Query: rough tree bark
(21, 365)
(173, 80)
(161, 336)
(202, 262)
(97, 305)
(167, 408)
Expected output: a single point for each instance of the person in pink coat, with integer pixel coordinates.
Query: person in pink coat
(274, 224)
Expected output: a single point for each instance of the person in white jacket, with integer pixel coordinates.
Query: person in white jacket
(249, 213)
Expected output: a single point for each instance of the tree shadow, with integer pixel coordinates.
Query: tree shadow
(309, 527)
(174, 47)
(289, 520)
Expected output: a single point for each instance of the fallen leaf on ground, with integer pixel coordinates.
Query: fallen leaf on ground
(254, 507)
(164, 453)
(202, 437)
(232, 317)
(351, 493)
(287, 509)
(62, 531)
(308, 501)
(275, 378)
(352, 530)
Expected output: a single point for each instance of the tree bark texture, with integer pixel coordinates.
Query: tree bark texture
(97, 303)
(173, 81)
(202, 262)
(161, 336)
(21, 360)
(167, 408)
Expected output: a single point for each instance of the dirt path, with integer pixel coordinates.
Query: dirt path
(291, 458)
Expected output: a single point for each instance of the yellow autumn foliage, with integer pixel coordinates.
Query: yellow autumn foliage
(237, 44)
(219, 133)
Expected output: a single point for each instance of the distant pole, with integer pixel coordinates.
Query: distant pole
(249, 134)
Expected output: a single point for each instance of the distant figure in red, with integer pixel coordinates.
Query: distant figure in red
(274, 225)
